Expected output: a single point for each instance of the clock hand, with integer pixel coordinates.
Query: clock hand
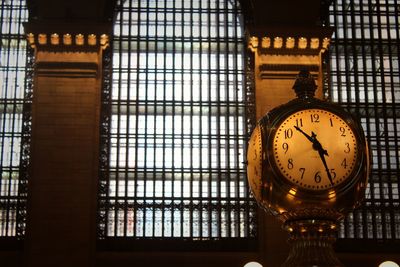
(306, 135)
(322, 156)
(317, 146)
(322, 152)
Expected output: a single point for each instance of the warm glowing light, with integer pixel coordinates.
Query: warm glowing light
(67, 39)
(42, 38)
(92, 39)
(332, 195)
(388, 264)
(104, 40)
(252, 264)
(79, 40)
(303, 230)
(293, 191)
(266, 42)
(325, 43)
(314, 43)
(290, 42)
(54, 39)
(302, 43)
(278, 42)
(31, 38)
(253, 42)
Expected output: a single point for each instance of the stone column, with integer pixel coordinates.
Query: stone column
(61, 218)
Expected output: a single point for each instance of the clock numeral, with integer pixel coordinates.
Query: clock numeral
(285, 147)
(288, 133)
(342, 131)
(331, 121)
(302, 170)
(314, 117)
(299, 122)
(317, 178)
(290, 164)
(333, 173)
(347, 150)
(344, 164)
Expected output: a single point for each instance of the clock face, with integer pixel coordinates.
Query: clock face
(254, 162)
(315, 149)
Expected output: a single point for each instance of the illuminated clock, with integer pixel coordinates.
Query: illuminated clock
(315, 149)
(308, 154)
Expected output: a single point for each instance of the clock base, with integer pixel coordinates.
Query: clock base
(311, 243)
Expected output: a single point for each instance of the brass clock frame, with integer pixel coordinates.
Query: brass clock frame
(280, 195)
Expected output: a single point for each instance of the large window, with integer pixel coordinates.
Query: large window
(14, 119)
(175, 142)
(366, 80)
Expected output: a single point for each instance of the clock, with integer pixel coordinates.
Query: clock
(314, 149)
(308, 163)
(308, 154)
(255, 161)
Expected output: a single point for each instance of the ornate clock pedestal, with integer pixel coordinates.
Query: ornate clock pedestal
(311, 243)
(308, 164)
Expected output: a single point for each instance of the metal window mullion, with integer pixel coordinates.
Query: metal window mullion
(210, 125)
(136, 180)
(201, 136)
(182, 174)
(218, 125)
(191, 220)
(374, 222)
(117, 169)
(164, 198)
(227, 122)
(237, 131)
(356, 87)
(173, 125)
(368, 121)
(156, 102)
(145, 204)
(397, 136)
(127, 138)
(385, 125)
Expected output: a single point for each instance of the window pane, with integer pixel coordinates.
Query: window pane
(365, 80)
(14, 126)
(177, 127)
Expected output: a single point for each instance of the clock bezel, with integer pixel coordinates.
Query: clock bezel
(325, 193)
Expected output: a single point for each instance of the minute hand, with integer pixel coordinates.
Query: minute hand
(317, 146)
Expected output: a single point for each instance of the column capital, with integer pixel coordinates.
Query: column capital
(55, 36)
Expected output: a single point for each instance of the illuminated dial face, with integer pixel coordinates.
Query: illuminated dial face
(315, 149)
(254, 163)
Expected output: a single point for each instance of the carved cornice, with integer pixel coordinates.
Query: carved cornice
(67, 40)
(289, 40)
(68, 36)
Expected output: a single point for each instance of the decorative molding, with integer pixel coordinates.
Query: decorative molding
(67, 40)
(282, 44)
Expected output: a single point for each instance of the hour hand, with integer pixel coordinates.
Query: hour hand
(311, 139)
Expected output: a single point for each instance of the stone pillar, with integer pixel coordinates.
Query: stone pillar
(61, 219)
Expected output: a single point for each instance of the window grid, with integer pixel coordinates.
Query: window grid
(15, 118)
(365, 79)
(174, 165)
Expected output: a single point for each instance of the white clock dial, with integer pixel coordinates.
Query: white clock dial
(315, 149)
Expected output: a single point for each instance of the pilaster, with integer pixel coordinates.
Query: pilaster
(65, 127)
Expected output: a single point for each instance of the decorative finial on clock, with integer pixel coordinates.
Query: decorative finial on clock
(304, 86)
